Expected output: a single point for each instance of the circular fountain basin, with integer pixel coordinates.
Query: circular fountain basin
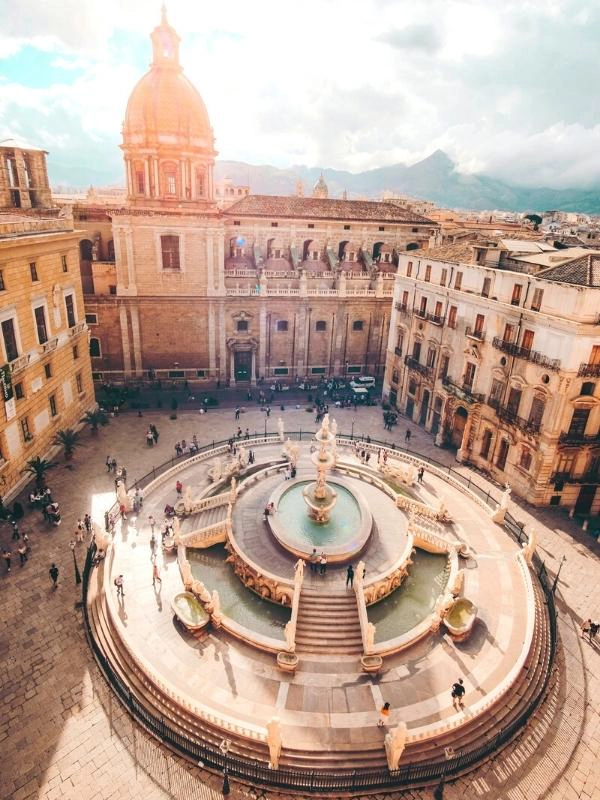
(341, 538)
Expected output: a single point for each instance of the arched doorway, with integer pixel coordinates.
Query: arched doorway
(424, 407)
(459, 421)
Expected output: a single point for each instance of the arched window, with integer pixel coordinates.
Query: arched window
(485, 443)
(170, 179)
(525, 461)
(95, 351)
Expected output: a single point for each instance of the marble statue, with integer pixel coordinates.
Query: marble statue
(122, 497)
(176, 530)
(395, 742)
(457, 583)
(280, 429)
(215, 472)
(233, 491)
(274, 742)
(529, 548)
(186, 574)
(290, 636)
(187, 500)
(369, 638)
(500, 512)
(299, 570)
(505, 497)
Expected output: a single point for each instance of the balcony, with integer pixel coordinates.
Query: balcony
(77, 329)
(50, 345)
(474, 333)
(566, 477)
(413, 364)
(589, 371)
(19, 363)
(463, 392)
(401, 308)
(509, 416)
(529, 355)
(574, 437)
(436, 319)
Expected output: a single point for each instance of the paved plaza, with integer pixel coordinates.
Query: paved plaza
(63, 733)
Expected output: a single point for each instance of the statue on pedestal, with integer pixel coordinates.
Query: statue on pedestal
(274, 742)
(280, 429)
(395, 742)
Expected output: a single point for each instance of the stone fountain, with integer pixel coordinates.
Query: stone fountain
(319, 496)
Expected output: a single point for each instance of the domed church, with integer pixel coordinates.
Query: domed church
(270, 287)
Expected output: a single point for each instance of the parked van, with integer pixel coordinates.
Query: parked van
(366, 382)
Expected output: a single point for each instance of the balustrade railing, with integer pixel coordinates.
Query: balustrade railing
(507, 414)
(463, 392)
(19, 363)
(574, 437)
(523, 352)
(412, 363)
(589, 371)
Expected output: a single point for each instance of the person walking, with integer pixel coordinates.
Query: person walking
(350, 576)
(179, 487)
(156, 574)
(458, 692)
(384, 715)
(154, 433)
(149, 438)
(53, 571)
(22, 550)
(237, 412)
(79, 530)
(7, 555)
(322, 564)
(87, 521)
(313, 559)
(15, 534)
(152, 545)
(108, 463)
(407, 436)
(119, 585)
(420, 474)
(152, 523)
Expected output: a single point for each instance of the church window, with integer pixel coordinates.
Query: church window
(199, 183)
(282, 325)
(170, 252)
(321, 325)
(358, 325)
(242, 325)
(525, 461)
(139, 179)
(171, 184)
(95, 351)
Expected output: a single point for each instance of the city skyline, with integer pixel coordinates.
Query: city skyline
(400, 81)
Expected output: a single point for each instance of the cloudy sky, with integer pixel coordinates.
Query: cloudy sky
(505, 87)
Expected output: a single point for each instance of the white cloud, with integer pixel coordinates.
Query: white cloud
(506, 87)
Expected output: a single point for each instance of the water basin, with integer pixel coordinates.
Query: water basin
(414, 600)
(237, 602)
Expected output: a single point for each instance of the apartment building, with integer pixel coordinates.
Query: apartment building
(494, 348)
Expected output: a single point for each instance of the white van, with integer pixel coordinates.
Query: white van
(364, 382)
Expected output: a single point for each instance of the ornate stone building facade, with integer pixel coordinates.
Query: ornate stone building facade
(495, 349)
(45, 365)
(268, 287)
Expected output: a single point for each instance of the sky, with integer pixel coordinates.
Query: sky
(508, 88)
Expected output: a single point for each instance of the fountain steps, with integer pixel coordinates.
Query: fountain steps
(328, 623)
(367, 750)
(202, 519)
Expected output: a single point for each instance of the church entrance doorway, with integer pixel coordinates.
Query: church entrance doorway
(242, 365)
(459, 422)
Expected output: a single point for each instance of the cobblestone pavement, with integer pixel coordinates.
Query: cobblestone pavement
(64, 735)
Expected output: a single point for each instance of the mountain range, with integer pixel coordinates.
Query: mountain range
(435, 178)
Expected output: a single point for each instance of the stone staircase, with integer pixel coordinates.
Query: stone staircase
(202, 519)
(328, 623)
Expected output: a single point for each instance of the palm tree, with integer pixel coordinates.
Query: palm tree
(38, 467)
(68, 439)
(95, 418)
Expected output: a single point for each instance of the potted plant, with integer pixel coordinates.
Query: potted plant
(68, 439)
(38, 467)
(94, 419)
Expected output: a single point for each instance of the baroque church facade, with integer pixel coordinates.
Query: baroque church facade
(268, 287)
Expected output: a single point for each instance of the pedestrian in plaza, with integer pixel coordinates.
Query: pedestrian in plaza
(154, 433)
(594, 627)
(87, 521)
(384, 715)
(79, 530)
(350, 576)
(268, 411)
(156, 574)
(152, 523)
(7, 555)
(313, 559)
(149, 438)
(113, 464)
(420, 474)
(53, 571)
(22, 549)
(119, 585)
(123, 512)
(152, 545)
(108, 463)
(247, 434)
(237, 412)
(239, 433)
(407, 436)
(15, 530)
(179, 487)
(322, 564)
(458, 692)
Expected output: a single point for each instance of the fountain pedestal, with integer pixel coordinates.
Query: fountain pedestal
(319, 497)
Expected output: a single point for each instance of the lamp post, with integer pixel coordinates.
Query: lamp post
(77, 573)
(555, 584)
(352, 434)
(265, 424)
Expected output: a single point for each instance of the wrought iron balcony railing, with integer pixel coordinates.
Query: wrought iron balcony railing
(412, 363)
(475, 334)
(526, 353)
(508, 415)
(568, 477)
(463, 392)
(572, 437)
(402, 308)
(589, 371)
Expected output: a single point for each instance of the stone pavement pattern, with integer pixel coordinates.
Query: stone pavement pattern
(64, 735)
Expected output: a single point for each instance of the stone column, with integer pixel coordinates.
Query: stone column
(253, 371)
(125, 340)
(262, 339)
(156, 179)
(135, 333)
(231, 368)
(222, 343)
(147, 178)
(212, 344)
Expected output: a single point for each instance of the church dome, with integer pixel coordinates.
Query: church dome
(320, 189)
(164, 107)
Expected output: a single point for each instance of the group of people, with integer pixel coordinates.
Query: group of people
(182, 447)
(590, 628)
(318, 562)
(151, 436)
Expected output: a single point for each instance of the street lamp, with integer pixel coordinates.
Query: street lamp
(224, 748)
(555, 584)
(352, 435)
(265, 423)
(77, 573)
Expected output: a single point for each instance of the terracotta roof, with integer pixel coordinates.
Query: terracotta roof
(459, 252)
(582, 271)
(262, 205)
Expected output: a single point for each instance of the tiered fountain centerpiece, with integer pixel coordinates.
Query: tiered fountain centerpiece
(342, 532)
(319, 496)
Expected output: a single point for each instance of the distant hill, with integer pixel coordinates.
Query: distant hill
(435, 178)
